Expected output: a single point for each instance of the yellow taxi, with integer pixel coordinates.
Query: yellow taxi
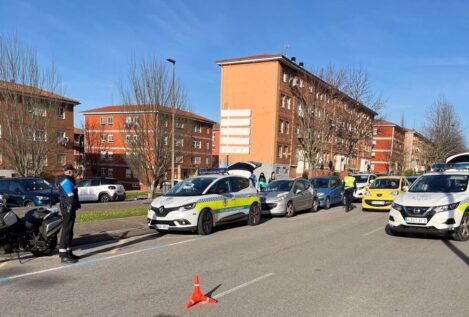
(382, 192)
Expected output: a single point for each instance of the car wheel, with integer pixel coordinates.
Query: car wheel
(462, 233)
(254, 216)
(328, 203)
(29, 204)
(315, 206)
(104, 198)
(290, 209)
(205, 223)
(389, 230)
(48, 249)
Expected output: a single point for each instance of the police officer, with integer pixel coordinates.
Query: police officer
(350, 188)
(69, 204)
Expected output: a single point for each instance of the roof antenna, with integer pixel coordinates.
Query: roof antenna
(286, 48)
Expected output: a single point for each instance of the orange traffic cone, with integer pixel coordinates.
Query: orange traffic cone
(197, 296)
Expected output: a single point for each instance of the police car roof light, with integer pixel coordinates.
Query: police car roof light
(207, 171)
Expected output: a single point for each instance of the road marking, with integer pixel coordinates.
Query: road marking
(4, 279)
(116, 248)
(371, 232)
(234, 289)
(3, 264)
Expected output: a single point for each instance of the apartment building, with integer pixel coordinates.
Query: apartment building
(260, 107)
(108, 139)
(79, 150)
(388, 147)
(216, 146)
(36, 129)
(416, 151)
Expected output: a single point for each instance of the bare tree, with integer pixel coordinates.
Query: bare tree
(443, 129)
(27, 135)
(96, 147)
(149, 126)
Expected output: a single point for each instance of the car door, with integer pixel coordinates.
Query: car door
(84, 190)
(307, 194)
(334, 189)
(223, 200)
(15, 193)
(298, 198)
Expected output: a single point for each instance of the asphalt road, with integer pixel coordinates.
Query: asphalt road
(330, 263)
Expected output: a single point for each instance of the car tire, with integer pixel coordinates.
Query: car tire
(29, 204)
(327, 205)
(389, 230)
(290, 209)
(254, 216)
(104, 198)
(205, 222)
(462, 233)
(315, 206)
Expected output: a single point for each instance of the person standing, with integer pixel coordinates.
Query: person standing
(69, 204)
(272, 177)
(262, 182)
(350, 188)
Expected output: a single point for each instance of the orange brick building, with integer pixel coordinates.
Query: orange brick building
(107, 139)
(388, 147)
(259, 112)
(216, 146)
(53, 110)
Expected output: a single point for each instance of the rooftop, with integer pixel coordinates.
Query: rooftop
(29, 90)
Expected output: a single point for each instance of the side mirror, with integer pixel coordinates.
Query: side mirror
(405, 188)
(298, 191)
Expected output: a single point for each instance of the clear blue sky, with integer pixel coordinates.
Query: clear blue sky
(414, 50)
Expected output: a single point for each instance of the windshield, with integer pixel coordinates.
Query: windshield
(320, 182)
(361, 178)
(440, 184)
(385, 183)
(191, 186)
(34, 184)
(279, 186)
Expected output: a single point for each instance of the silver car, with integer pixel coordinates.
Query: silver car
(287, 196)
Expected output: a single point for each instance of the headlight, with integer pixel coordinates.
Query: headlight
(397, 207)
(42, 197)
(367, 193)
(445, 207)
(320, 194)
(187, 207)
(394, 193)
(280, 198)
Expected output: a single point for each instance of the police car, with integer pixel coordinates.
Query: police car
(438, 202)
(200, 203)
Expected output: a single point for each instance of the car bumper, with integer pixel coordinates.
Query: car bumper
(274, 209)
(359, 193)
(440, 223)
(173, 221)
(377, 203)
(119, 196)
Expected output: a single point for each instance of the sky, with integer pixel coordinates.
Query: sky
(415, 51)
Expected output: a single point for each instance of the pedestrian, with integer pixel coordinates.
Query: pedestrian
(350, 188)
(69, 204)
(262, 182)
(272, 177)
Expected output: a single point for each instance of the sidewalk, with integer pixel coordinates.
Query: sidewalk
(110, 229)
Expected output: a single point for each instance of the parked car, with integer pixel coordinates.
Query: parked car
(287, 196)
(411, 179)
(330, 190)
(383, 191)
(203, 202)
(102, 189)
(28, 191)
(363, 180)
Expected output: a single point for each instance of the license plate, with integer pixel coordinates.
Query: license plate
(265, 212)
(416, 220)
(378, 202)
(162, 227)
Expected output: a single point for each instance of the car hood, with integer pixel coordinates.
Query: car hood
(429, 199)
(172, 202)
(323, 190)
(382, 192)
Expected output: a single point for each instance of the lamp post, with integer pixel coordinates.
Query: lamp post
(173, 101)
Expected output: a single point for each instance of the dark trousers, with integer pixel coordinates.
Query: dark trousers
(66, 235)
(349, 197)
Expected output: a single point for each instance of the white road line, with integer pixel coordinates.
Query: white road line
(87, 262)
(234, 289)
(371, 232)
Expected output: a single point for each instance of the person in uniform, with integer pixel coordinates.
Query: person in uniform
(69, 204)
(350, 188)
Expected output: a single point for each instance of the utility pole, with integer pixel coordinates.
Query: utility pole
(173, 106)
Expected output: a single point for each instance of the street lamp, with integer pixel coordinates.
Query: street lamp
(173, 101)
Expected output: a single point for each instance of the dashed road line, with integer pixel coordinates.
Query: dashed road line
(371, 232)
(2, 265)
(234, 289)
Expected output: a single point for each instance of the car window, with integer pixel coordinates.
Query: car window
(34, 184)
(95, 182)
(279, 186)
(84, 183)
(109, 181)
(191, 187)
(334, 183)
(320, 182)
(238, 184)
(15, 187)
(221, 187)
(385, 183)
(298, 187)
(305, 183)
(4, 186)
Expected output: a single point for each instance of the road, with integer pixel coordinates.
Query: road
(329, 263)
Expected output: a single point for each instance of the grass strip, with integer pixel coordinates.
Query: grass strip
(87, 216)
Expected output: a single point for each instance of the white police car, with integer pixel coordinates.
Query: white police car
(436, 203)
(203, 202)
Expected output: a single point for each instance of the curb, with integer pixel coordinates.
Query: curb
(111, 235)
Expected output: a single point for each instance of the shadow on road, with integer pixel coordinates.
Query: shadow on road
(456, 251)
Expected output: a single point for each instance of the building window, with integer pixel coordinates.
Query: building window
(287, 127)
(110, 156)
(110, 172)
(60, 159)
(102, 171)
(166, 123)
(127, 138)
(61, 112)
(196, 144)
(109, 120)
(279, 151)
(103, 138)
(102, 155)
(206, 161)
(196, 160)
(45, 161)
(179, 159)
(208, 130)
(283, 101)
(285, 77)
(179, 142)
(288, 103)
(103, 120)
(280, 126)
(128, 173)
(60, 137)
(165, 140)
(208, 145)
(197, 128)
(180, 124)
(285, 151)
(110, 138)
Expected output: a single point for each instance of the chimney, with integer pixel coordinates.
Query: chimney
(293, 59)
(302, 64)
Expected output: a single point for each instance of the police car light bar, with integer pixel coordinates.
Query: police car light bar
(441, 167)
(207, 171)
